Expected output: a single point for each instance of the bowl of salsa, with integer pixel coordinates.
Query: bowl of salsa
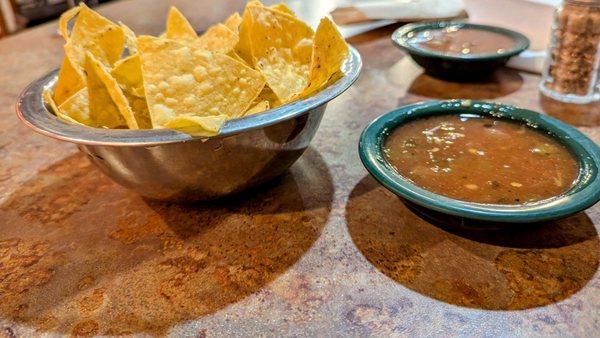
(483, 161)
(458, 50)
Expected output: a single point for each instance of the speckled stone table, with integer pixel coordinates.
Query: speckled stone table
(324, 250)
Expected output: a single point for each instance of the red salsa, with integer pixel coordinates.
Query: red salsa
(481, 159)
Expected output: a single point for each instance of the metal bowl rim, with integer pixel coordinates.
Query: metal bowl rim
(33, 112)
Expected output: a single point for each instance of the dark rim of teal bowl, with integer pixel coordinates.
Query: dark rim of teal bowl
(584, 193)
(400, 39)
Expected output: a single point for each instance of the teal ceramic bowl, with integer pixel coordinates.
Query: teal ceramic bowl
(457, 67)
(584, 193)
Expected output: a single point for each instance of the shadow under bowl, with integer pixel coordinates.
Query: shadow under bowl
(584, 193)
(456, 67)
(168, 165)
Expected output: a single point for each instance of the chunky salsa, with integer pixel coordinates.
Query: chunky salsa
(481, 159)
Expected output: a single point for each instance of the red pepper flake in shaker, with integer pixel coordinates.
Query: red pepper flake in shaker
(572, 71)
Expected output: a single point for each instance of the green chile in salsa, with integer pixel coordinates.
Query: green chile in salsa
(481, 159)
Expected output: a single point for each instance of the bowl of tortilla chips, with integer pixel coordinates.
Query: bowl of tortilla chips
(188, 117)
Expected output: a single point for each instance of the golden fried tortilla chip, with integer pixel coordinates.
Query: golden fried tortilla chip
(235, 56)
(68, 119)
(181, 80)
(233, 22)
(128, 73)
(258, 108)
(129, 39)
(76, 108)
(63, 22)
(97, 35)
(69, 82)
(267, 95)
(178, 27)
(217, 38)
(329, 52)
(244, 46)
(108, 105)
(197, 125)
(282, 7)
(281, 49)
(50, 101)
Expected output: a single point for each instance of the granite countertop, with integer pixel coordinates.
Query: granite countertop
(324, 250)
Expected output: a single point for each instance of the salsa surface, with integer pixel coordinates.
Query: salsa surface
(481, 159)
(462, 41)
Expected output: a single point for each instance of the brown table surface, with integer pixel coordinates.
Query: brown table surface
(323, 251)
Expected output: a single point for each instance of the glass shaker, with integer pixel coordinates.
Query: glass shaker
(572, 72)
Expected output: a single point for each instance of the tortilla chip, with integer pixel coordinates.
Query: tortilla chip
(108, 105)
(235, 56)
(329, 52)
(197, 125)
(69, 82)
(178, 27)
(180, 80)
(76, 108)
(129, 39)
(47, 96)
(63, 22)
(244, 45)
(128, 73)
(217, 38)
(281, 49)
(233, 22)
(267, 95)
(282, 7)
(258, 108)
(97, 35)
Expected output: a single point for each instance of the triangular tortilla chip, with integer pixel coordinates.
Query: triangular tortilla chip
(179, 80)
(281, 49)
(282, 7)
(235, 56)
(178, 27)
(76, 108)
(93, 33)
(48, 98)
(258, 108)
(63, 22)
(108, 105)
(233, 22)
(244, 46)
(128, 73)
(69, 82)
(130, 39)
(197, 125)
(217, 38)
(329, 52)
(267, 95)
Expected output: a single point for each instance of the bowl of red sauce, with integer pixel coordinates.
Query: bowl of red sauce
(457, 50)
(483, 161)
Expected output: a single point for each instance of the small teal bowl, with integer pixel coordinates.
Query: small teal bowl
(584, 193)
(457, 67)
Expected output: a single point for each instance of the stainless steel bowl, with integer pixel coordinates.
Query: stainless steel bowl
(169, 165)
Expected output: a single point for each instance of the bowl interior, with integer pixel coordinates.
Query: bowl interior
(402, 35)
(33, 111)
(584, 193)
